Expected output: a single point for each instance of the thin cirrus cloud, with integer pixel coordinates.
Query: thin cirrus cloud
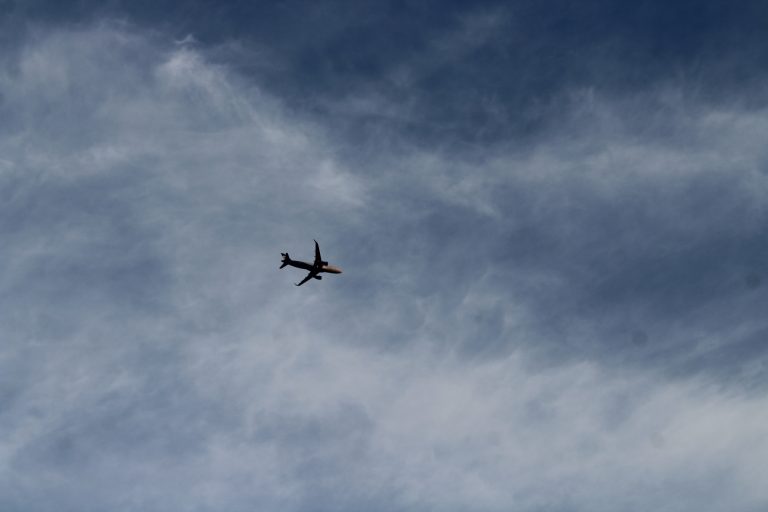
(574, 324)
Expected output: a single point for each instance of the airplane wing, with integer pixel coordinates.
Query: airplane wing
(318, 259)
(309, 276)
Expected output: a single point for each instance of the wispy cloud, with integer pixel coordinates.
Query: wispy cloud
(574, 324)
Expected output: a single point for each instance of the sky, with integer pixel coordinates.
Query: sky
(551, 217)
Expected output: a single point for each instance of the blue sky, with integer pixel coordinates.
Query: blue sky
(550, 215)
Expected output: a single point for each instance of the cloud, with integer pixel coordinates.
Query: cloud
(568, 324)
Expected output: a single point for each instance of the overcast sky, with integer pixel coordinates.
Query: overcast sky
(552, 218)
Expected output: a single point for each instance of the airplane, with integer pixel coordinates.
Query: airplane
(314, 268)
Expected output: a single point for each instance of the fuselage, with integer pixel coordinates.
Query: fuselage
(308, 266)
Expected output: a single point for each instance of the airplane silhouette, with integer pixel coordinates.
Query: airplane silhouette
(314, 268)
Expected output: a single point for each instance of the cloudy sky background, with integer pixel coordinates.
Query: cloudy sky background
(551, 218)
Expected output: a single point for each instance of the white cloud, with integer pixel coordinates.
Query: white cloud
(154, 358)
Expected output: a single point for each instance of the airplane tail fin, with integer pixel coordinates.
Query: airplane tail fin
(286, 259)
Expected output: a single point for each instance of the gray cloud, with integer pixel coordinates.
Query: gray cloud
(574, 324)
